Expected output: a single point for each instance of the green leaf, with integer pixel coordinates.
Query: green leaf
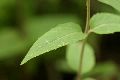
(73, 57)
(105, 23)
(59, 36)
(114, 3)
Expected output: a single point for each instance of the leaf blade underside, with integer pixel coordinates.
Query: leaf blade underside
(114, 3)
(105, 23)
(73, 57)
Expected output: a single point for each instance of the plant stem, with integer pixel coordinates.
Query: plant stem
(87, 27)
(88, 17)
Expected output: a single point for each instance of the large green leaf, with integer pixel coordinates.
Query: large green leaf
(73, 57)
(105, 23)
(57, 37)
(114, 3)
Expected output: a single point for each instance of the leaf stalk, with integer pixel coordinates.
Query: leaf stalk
(87, 28)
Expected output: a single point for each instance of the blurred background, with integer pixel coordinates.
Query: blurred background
(23, 21)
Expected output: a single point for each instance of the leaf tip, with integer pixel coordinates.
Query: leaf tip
(23, 61)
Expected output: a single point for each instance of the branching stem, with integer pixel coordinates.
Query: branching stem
(87, 27)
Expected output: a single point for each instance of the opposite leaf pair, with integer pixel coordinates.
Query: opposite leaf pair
(101, 23)
(70, 33)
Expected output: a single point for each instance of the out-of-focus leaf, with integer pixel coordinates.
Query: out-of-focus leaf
(36, 27)
(105, 23)
(73, 57)
(107, 68)
(88, 79)
(10, 43)
(114, 3)
(59, 36)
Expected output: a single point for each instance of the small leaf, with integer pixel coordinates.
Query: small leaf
(59, 36)
(114, 3)
(73, 57)
(105, 23)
